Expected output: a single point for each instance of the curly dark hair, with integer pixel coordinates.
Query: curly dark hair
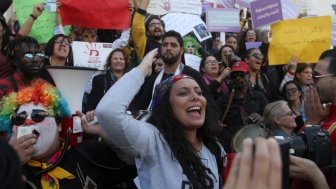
(182, 150)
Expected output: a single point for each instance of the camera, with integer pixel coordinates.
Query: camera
(313, 144)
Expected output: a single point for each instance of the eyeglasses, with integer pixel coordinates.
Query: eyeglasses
(30, 56)
(64, 42)
(235, 74)
(292, 90)
(212, 62)
(37, 116)
(257, 56)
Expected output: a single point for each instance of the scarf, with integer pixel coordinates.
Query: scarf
(50, 179)
(222, 86)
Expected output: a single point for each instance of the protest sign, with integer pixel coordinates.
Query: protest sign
(192, 61)
(100, 14)
(265, 12)
(201, 32)
(43, 28)
(289, 10)
(222, 20)
(250, 45)
(158, 7)
(244, 3)
(305, 38)
(228, 3)
(182, 23)
(92, 55)
(161, 7)
(334, 31)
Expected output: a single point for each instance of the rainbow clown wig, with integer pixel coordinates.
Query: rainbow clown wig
(39, 91)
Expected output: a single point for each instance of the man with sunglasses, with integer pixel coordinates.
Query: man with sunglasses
(324, 92)
(32, 119)
(27, 59)
(245, 106)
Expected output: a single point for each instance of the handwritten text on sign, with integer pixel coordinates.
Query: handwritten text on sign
(305, 38)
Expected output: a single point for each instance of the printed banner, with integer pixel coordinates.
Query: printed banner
(100, 14)
(305, 38)
(222, 20)
(161, 7)
(92, 55)
(264, 12)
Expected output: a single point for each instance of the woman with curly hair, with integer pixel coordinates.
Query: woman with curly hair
(176, 147)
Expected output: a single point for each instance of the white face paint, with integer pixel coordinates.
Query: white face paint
(48, 137)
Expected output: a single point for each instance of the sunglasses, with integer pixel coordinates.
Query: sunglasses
(258, 56)
(30, 56)
(236, 74)
(37, 116)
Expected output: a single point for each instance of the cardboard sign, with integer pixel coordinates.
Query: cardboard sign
(264, 12)
(305, 38)
(161, 7)
(222, 20)
(92, 55)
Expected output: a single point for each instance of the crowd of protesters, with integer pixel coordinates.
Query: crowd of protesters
(161, 123)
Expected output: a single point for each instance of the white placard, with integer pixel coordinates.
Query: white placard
(161, 7)
(92, 55)
(182, 23)
(192, 61)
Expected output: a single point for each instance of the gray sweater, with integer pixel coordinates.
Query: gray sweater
(155, 165)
